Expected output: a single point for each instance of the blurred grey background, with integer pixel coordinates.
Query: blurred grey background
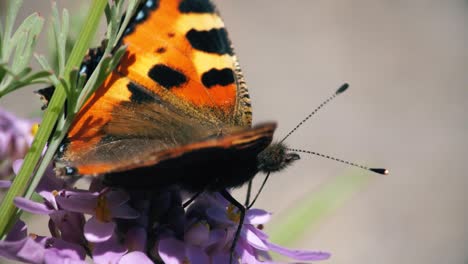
(406, 110)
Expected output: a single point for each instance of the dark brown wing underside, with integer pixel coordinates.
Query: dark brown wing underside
(215, 164)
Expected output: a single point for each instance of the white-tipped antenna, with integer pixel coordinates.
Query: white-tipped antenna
(376, 170)
(340, 90)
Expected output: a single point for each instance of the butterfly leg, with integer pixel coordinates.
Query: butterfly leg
(249, 192)
(259, 191)
(241, 208)
(189, 201)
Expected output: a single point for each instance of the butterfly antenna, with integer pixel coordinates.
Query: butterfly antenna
(376, 170)
(340, 90)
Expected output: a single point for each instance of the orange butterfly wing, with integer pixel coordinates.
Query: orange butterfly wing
(178, 83)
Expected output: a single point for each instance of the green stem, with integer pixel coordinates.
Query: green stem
(54, 109)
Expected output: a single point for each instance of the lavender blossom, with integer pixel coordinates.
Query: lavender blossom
(158, 231)
(16, 135)
(36, 249)
(212, 234)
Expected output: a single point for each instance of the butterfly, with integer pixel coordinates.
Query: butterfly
(175, 111)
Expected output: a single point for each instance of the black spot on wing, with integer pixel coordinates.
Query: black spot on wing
(196, 6)
(161, 50)
(138, 95)
(167, 77)
(212, 41)
(218, 77)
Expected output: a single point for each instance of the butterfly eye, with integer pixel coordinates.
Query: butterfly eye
(290, 157)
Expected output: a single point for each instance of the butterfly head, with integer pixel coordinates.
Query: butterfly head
(275, 158)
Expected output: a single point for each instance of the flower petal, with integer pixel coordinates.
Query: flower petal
(9, 249)
(253, 239)
(50, 198)
(17, 165)
(32, 207)
(172, 251)
(257, 216)
(262, 235)
(218, 240)
(221, 258)
(304, 255)
(135, 257)
(108, 252)
(246, 252)
(32, 252)
(78, 203)
(97, 231)
(18, 231)
(5, 184)
(5, 138)
(70, 225)
(198, 234)
(219, 215)
(50, 182)
(64, 249)
(196, 255)
(81, 194)
(54, 256)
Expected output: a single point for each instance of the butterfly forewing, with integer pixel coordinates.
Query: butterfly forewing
(178, 83)
(183, 47)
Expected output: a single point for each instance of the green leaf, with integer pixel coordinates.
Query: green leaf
(31, 40)
(131, 8)
(3, 70)
(1, 42)
(12, 12)
(46, 66)
(118, 54)
(31, 24)
(20, 186)
(18, 49)
(81, 81)
(36, 76)
(60, 30)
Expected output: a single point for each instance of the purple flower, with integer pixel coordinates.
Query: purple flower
(209, 237)
(104, 206)
(173, 251)
(16, 135)
(135, 257)
(5, 184)
(143, 226)
(37, 249)
(63, 224)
